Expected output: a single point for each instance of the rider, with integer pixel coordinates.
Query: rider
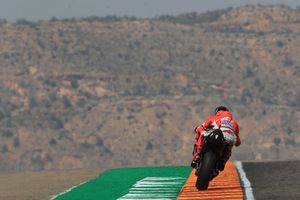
(224, 121)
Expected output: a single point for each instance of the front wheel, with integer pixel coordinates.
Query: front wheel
(206, 170)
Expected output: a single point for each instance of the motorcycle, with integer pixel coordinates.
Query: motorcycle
(210, 160)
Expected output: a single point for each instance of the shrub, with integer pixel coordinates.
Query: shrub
(279, 43)
(4, 149)
(50, 83)
(212, 52)
(99, 142)
(160, 114)
(55, 123)
(74, 83)
(249, 73)
(67, 103)
(32, 102)
(24, 22)
(246, 97)
(7, 133)
(81, 103)
(86, 146)
(52, 96)
(16, 142)
(52, 141)
(149, 146)
(2, 115)
(135, 107)
(288, 61)
(164, 90)
(277, 141)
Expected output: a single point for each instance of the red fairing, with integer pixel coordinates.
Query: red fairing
(215, 122)
(236, 132)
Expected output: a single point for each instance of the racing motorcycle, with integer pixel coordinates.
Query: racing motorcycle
(210, 161)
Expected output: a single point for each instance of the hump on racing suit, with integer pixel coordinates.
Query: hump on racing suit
(222, 120)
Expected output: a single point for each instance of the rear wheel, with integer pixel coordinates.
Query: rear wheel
(206, 170)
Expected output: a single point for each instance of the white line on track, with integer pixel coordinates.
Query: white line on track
(156, 188)
(68, 190)
(245, 182)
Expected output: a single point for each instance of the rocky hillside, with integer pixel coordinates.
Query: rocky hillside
(107, 92)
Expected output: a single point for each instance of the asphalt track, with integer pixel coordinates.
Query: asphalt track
(274, 180)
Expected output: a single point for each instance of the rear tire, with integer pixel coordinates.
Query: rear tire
(205, 172)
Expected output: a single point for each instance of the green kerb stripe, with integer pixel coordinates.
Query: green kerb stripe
(116, 183)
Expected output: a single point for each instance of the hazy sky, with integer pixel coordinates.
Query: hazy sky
(45, 9)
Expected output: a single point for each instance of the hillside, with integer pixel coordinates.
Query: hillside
(107, 92)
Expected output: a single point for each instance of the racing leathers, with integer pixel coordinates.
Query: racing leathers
(224, 121)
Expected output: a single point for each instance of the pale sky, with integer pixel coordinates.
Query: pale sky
(45, 9)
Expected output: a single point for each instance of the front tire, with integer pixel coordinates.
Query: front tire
(205, 172)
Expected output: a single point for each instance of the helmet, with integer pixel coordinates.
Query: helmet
(221, 108)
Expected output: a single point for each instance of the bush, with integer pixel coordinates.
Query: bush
(7, 133)
(32, 102)
(188, 91)
(86, 146)
(164, 90)
(52, 142)
(16, 142)
(139, 90)
(160, 114)
(212, 52)
(25, 22)
(52, 96)
(277, 141)
(74, 83)
(50, 83)
(149, 146)
(288, 61)
(279, 43)
(81, 103)
(246, 97)
(135, 107)
(55, 123)
(249, 73)
(99, 142)
(4, 149)
(2, 115)
(67, 103)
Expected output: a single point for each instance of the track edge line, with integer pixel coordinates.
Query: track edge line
(244, 181)
(66, 191)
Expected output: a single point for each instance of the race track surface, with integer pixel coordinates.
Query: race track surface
(274, 180)
(268, 180)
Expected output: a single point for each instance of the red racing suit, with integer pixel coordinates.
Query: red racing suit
(222, 120)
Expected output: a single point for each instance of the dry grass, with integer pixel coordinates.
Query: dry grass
(41, 185)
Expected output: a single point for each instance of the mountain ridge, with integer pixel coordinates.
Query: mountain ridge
(123, 92)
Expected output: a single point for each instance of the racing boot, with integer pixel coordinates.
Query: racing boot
(196, 160)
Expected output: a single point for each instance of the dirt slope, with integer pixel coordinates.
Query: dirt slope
(41, 185)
